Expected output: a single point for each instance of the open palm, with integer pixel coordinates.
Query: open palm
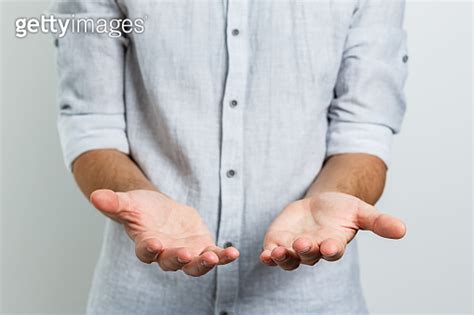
(321, 227)
(164, 231)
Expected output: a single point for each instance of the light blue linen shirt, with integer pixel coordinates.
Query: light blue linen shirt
(268, 89)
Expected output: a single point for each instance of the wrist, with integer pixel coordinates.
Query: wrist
(314, 193)
(367, 195)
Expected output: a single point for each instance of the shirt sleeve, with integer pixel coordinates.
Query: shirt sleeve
(91, 81)
(369, 102)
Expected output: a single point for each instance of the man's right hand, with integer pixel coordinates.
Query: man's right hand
(164, 231)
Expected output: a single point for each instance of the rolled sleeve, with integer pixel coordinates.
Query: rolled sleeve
(82, 133)
(369, 102)
(91, 83)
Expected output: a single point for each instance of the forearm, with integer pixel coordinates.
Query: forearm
(108, 169)
(357, 174)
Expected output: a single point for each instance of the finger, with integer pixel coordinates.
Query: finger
(307, 250)
(369, 218)
(109, 202)
(331, 249)
(226, 255)
(269, 245)
(148, 250)
(266, 255)
(172, 259)
(266, 258)
(201, 264)
(284, 258)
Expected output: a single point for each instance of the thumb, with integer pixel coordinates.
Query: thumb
(109, 202)
(369, 218)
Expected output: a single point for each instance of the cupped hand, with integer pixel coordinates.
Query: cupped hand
(164, 231)
(320, 227)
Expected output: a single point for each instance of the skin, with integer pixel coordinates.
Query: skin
(337, 205)
(164, 231)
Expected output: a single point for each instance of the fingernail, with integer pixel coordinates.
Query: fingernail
(205, 264)
(150, 250)
(281, 259)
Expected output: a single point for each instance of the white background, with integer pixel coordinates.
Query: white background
(51, 236)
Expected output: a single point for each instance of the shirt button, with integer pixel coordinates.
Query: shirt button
(228, 244)
(230, 173)
(235, 32)
(233, 103)
(223, 313)
(405, 59)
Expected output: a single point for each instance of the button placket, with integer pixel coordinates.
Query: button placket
(232, 155)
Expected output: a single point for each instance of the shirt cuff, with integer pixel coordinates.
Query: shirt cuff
(350, 137)
(84, 132)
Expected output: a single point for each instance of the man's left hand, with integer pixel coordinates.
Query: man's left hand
(320, 227)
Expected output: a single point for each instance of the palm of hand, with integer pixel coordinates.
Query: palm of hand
(164, 231)
(317, 219)
(321, 227)
(175, 225)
